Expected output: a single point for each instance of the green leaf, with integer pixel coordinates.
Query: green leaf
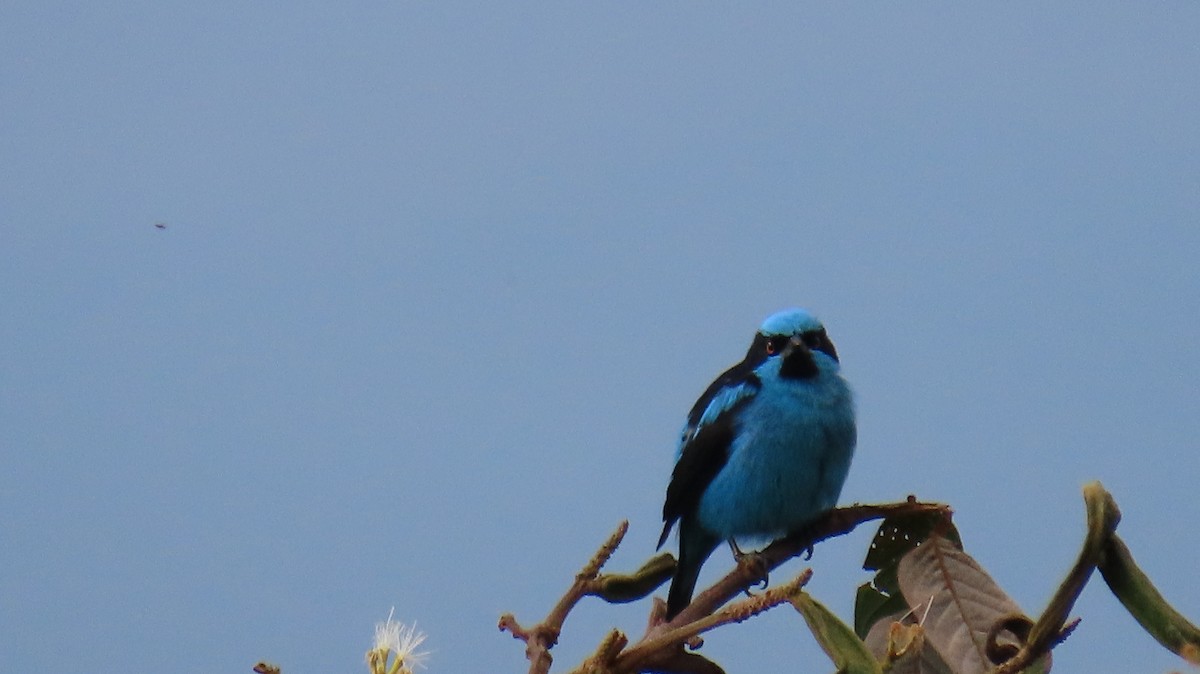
(620, 588)
(1139, 596)
(871, 605)
(1102, 519)
(848, 652)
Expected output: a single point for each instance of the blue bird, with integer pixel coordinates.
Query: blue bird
(765, 450)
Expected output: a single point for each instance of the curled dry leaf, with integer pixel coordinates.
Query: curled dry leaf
(957, 602)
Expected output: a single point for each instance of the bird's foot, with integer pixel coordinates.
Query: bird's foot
(804, 534)
(754, 564)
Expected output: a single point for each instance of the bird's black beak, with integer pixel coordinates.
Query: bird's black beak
(798, 360)
(793, 344)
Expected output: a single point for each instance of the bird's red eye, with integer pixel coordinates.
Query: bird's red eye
(776, 344)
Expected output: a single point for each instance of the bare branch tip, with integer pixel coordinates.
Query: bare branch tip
(1066, 630)
(605, 552)
(508, 623)
(614, 642)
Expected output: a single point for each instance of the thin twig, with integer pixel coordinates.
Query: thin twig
(540, 638)
(646, 651)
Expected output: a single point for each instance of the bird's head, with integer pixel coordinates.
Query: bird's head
(798, 339)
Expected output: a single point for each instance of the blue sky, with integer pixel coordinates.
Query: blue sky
(439, 282)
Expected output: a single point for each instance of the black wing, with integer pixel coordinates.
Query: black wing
(706, 442)
(728, 390)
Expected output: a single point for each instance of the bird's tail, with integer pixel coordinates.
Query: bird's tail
(694, 548)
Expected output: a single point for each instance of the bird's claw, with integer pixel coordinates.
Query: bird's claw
(756, 566)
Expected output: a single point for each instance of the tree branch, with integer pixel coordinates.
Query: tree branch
(662, 646)
(540, 638)
(837, 522)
